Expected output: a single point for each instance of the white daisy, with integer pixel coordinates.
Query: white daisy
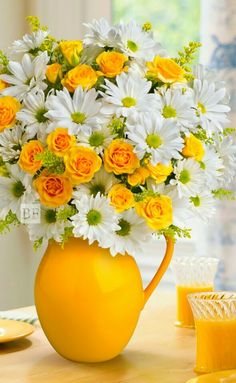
(210, 107)
(33, 114)
(154, 135)
(227, 152)
(98, 138)
(203, 205)
(30, 43)
(129, 97)
(100, 33)
(25, 77)
(135, 42)
(189, 177)
(102, 183)
(179, 106)
(213, 167)
(79, 112)
(48, 228)
(96, 219)
(11, 141)
(15, 190)
(131, 235)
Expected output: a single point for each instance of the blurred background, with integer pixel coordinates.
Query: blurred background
(175, 22)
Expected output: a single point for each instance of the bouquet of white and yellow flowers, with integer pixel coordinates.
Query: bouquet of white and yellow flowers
(112, 138)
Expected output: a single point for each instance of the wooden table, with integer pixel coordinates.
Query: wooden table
(157, 353)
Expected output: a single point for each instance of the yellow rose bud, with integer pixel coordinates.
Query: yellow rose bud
(71, 51)
(119, 157)
(82, 75)
(54, 73)
(60, 142)
(157, 211)
(28, 161)
(3, 85)
(121, 198)
(165, 70)
(9, 106)
(139, 176)
(159, 172)
(193, 148)
(81, 164)
(54, 189)
(112, 63)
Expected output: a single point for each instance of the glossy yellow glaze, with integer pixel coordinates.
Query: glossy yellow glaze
(89, 302)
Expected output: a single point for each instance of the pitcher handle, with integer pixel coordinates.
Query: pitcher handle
(161, 270)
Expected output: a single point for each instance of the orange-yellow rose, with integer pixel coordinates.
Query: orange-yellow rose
(54, 189)
(112, 63)
(119, 157)
(9, 106)
(54, 72)
(159, 172)
(121, 198)
(157, 211)
(71, 51)
(165, 70)
(3, 85)
(59, 141)
(83, 75)
(28, 161)
(139, 176)
(81, 164)
(193, 148)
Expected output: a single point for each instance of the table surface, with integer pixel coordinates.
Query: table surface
(159, 352)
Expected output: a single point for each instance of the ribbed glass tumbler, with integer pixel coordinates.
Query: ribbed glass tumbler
(215, 320)
(192, 274)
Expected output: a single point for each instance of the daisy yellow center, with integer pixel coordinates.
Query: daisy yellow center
(196, 201)
(96, 139)
(98, 188)
(153, 141)
(124, 228)
(128, 102)
(50, 216)
(40, 115)
(94, 217)
(169, 112)
(78, 117)
(132, 46)
(201, 107)
(184, 176)
(18, 189)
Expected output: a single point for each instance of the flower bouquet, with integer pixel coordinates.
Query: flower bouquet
(114, 140)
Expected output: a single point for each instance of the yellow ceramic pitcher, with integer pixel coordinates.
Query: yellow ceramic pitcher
(89, 302)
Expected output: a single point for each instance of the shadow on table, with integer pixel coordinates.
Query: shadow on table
(14, 346)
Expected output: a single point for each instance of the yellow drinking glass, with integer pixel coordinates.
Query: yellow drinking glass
(192, 275)
(215, 320)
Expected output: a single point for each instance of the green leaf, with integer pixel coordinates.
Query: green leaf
(51, 162)
(5, 224)
(68, 233)
(38, 243)
(174, 231)
(223, 194)
(65, 213)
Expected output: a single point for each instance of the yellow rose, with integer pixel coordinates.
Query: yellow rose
(193, 148)
(121, 198)
(111, 63)
(159, 172)
(3, 85)
(54, 73)
(119, 157)
(165, 70)
(139, 176)
(71, 51)
(54, 189)
(9, 106)
(81, 164)
(157, 211)
(59, 141)
(83, 75)
(27, 160)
